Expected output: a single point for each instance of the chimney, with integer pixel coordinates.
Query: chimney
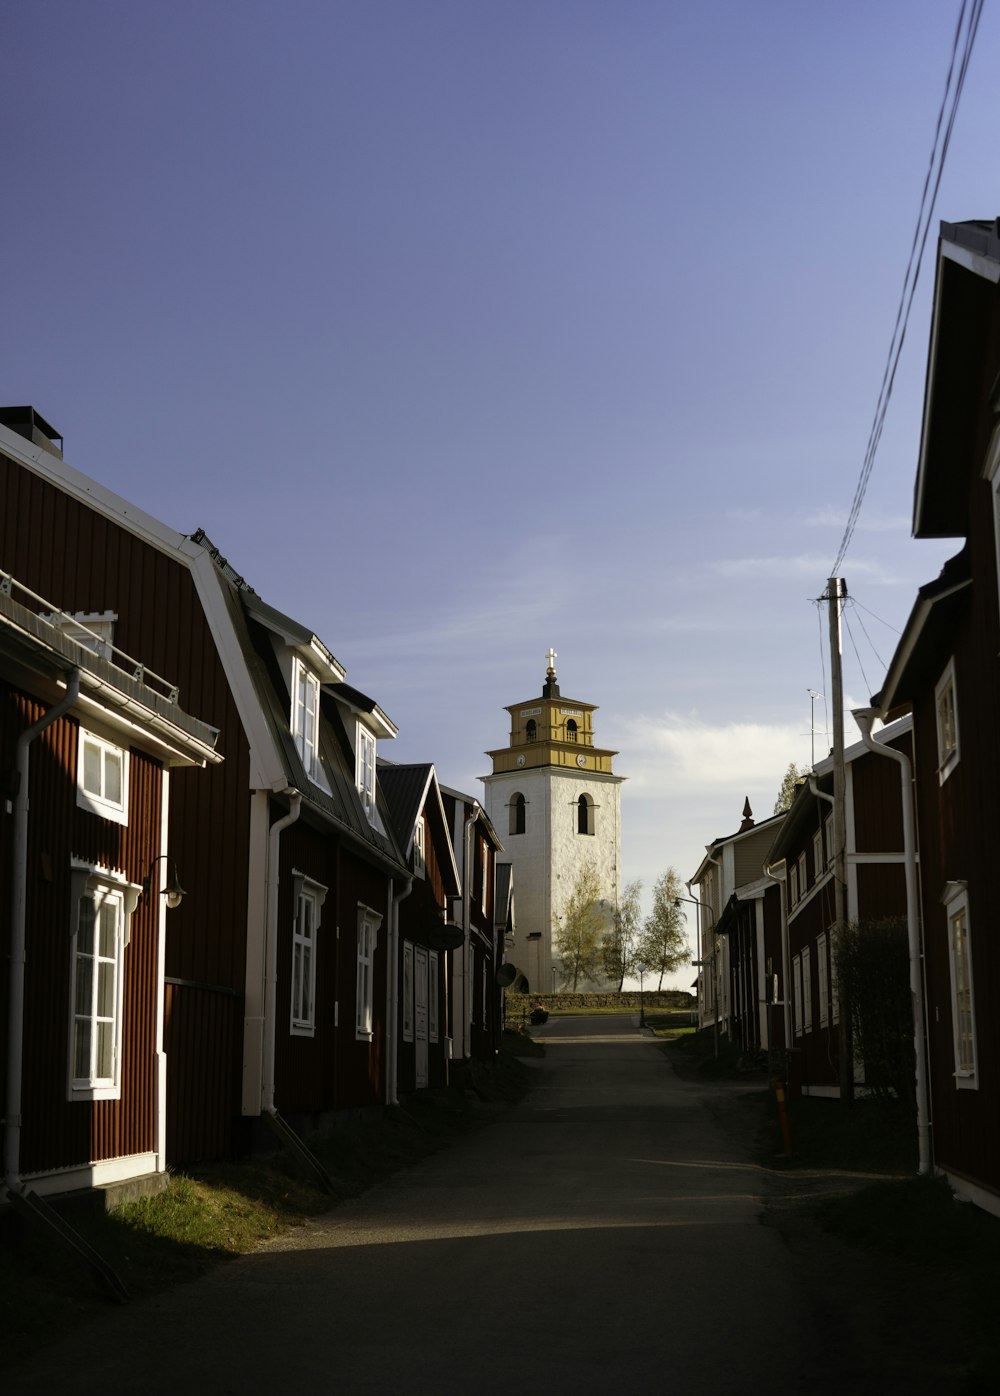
(33, 427)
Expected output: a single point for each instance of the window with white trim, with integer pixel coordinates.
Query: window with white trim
(484, 890)
(818, 864)
(432, 996)
(101, 912)
(803, 874)
(793, 885)
(963, 1017)
(309, 899)
(807, 1003)
(305, 719)
(797, 994)
(366, 772)
(369, 922)
(102, 777)
(823, 975)
(407, 992)
(419, 851)
(946, 716)
(828, 830)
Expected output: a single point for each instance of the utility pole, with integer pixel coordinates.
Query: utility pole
(836, 591)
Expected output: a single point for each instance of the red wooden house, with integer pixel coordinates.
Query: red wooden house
(945, 668)
(803, 854)
(277, 983)
(427, 941)
(477, 994)
(89, 743)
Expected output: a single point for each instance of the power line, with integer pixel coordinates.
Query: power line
(968, 19)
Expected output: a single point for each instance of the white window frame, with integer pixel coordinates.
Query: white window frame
(111, 898)
(823, 974)
(96, 800)
(484, 891)
(797, 994)
(793, 885)
(407, 992)
(419, 847)
(369, 922)
(818, 864)
(433, 1003)
(309, 897)
(807, 1002)
(803, 874)
(948, 743)
(828, 831)
(365, 773)
(963, 1001)
(304, 720)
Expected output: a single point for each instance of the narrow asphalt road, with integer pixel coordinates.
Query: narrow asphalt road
(602, 1235)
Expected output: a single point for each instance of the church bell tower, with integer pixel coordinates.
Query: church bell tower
(555, 800)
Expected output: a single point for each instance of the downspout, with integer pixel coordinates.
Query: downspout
(15, 992)
(271, 951)
(786, 1004)
(392, 998)
(864, 718)
(465, 1000)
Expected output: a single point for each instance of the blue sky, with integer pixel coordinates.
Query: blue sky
(465, 329)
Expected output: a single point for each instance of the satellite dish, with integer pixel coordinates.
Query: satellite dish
(444, 936)
(506, 975)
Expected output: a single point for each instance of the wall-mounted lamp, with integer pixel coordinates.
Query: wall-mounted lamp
(173, 891)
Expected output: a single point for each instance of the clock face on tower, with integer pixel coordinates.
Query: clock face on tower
(520, 760)
(581, 760)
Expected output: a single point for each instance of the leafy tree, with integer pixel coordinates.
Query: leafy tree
(581, 930)
(788, 786)
(619, 949)
(663, 943)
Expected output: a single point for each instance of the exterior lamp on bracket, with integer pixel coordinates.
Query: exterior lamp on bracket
(173, 892)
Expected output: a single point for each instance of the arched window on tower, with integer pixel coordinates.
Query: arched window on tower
(571, 729)
(531, 729)
(584, 815)
(516, 814)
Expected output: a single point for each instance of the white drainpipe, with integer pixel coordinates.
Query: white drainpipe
(864, 718)
(271, 950)
(470, 824)
(15, 993)
(392, 998)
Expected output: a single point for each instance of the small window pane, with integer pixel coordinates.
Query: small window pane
(104, 1065)
(112, 777)
(91, 768)
(81, 1057)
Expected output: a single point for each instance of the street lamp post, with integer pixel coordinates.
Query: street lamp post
(641, 970)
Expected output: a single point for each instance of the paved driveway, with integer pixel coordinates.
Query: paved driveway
(603, 1235)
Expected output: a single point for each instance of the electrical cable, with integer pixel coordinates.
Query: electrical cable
(924, 215)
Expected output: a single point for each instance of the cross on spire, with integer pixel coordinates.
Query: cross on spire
(551, 657)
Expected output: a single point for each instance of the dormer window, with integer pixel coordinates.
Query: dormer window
(366, 772)
(305, 721)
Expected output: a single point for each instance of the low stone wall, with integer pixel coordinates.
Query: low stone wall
(675, 1000)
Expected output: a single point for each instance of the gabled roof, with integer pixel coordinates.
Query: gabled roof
(926, 634)
(965, 296)
(740, 836)
(802, 810)
(412, 790)
(488, 831)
